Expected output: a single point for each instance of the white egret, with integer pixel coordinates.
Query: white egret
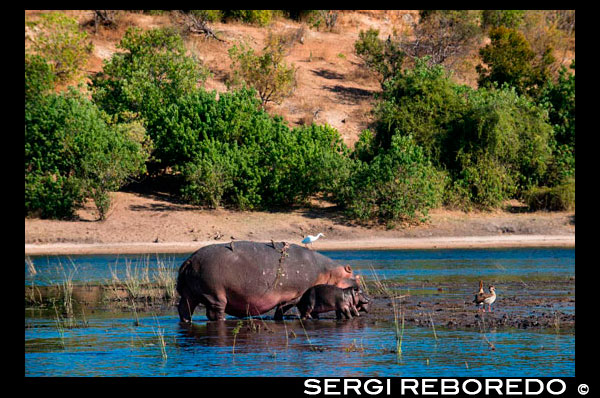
(310, 239)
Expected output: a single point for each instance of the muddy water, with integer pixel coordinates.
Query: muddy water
(102, 340)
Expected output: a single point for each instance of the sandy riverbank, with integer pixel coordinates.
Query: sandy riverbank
(366, 244)
(140, 223)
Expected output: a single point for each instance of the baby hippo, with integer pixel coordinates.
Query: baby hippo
(325, 298)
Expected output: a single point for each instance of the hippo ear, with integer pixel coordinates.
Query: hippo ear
(348, 268)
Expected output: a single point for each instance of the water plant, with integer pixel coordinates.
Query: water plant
(399, 330)
(236, 331)
(161, 339)
(166, 278)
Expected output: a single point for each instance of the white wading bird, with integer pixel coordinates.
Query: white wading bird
(310, 239)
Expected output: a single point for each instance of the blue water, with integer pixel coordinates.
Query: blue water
(390, 264)
(112, 345)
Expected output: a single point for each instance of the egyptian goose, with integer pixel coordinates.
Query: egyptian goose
(482, 298)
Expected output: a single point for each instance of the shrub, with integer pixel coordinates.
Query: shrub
(208, 15)
(57, 38)
(232, 152)
(383, 57)
(398, 184)
(267, 73)
(508, 18)
(559, 99)
(558, 198)
(482, 181)
(422, 102)
(39, 78)
(443, 35)
(259, 17)
(72, 151)
(152, 73)
(509, 59)
(505, 129)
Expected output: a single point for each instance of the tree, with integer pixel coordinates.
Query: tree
(421, 102)
(509, 59)
(442, 35)
(74, 151)
(267, 72)
(152, 73)
(508, 18)
(384, 57)
(39, 78)
(57, 38)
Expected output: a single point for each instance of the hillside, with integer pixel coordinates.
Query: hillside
(333, 87)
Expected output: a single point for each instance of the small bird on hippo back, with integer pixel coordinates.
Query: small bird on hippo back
(310, 239)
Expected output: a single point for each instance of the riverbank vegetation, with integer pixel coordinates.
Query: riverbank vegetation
(433, 142)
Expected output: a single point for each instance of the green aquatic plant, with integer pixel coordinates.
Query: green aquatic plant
(236, 331)
(161, 339)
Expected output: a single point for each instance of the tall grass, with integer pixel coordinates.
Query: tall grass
(159, 332)
(398, 314)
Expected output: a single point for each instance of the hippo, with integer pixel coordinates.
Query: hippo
(324, 298)
(251, 278)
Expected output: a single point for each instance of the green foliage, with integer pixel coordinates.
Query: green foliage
(508, 18)
(152, 73)
(58, 39)
(559, 99)
(483, 181)
(259, 17)
(232, 152)
(558, 198)
(365, 147)
(72, 151)
(506, 127)
(399, 184)
(384, 57)
(208, 15)
(422, 102)
(323, 18)
(267, 72)
(510, 59)
(39, 78)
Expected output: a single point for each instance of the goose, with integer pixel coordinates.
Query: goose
(482, 298)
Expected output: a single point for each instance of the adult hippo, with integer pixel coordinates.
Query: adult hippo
(250, 278)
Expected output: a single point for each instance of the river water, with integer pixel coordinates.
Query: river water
(118, 342)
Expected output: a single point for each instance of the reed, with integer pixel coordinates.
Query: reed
(236, 331)
(166, 278)
(159, 332)
(399, 330)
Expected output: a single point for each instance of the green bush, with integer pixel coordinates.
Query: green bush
(208, 15)
(73, 151)
(39, 78)
(558, 198)
(267, 72)
(508, 18)
(259, 17)
(509, 59)
(152, 73)
(422, 102)
(509, 129)
(399, 184)
(58, 39)
(232, 152)
(383, 57)
(482, 181)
